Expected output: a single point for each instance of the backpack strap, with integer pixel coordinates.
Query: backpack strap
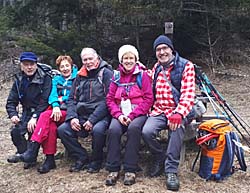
(47, 69)
(157, 71)
(100, 75)
(117, 76)
(139, 79)
(196, 159)
(239, 152)
(230, 148)
(100, 78)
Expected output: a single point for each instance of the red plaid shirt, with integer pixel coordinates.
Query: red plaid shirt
(164, 102)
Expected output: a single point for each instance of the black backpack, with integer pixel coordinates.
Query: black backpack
(48, 69)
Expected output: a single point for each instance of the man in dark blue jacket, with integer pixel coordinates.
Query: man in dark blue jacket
(87, 111)
(174, 88)
(31, 89)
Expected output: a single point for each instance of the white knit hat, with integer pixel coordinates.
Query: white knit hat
(125, 49)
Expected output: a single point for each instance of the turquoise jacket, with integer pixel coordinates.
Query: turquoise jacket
(61, 88)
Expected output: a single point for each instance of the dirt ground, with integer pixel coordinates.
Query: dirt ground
(14, 179)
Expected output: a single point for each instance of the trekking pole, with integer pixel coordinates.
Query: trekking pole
(223, 102)
(213, 103)
(202, 78)
(236, 114)
(228, 117)
(241, 118)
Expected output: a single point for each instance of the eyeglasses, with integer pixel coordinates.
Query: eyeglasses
(162, 48)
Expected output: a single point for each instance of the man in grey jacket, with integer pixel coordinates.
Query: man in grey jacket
(87, 112)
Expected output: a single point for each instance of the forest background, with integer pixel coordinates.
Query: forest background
(210, 32)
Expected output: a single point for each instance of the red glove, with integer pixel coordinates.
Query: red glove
(175, 119)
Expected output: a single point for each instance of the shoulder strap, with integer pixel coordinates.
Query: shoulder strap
(230, 150)
(196, 159)
(17, 84)
(117, 77)
(239, 152)
(156, 73)
(175, 92)
(139, 79)
(100, 75)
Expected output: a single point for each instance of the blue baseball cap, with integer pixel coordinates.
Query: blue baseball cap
(30, 56)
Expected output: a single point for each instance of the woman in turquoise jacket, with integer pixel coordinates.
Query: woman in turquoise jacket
(61, 89)
(45, 133)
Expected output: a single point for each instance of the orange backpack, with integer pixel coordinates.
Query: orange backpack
(218, 148)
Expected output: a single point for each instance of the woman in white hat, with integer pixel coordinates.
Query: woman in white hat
(129, 100)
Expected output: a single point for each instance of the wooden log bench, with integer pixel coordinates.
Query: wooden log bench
(191, 133)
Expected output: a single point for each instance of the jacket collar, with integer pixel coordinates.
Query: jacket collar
(84, 72)
(38, 77)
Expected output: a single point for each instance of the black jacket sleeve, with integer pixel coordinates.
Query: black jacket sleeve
(12, 101)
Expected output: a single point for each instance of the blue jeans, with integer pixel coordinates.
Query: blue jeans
(69, 138)
(152, 127)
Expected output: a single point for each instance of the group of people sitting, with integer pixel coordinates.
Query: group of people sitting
(104, 103)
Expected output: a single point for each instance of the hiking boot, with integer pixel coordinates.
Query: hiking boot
(14, 158)
(112, 178)
(48, 164)
(29, 165)
(30, 155)
(78, 165)
(172, 181)
(94, 167)
(93, 170)
(157, 166)
(129, 178)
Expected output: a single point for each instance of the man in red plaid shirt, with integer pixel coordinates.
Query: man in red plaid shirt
(171, 106)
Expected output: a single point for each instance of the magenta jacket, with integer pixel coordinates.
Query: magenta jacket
(141, 98)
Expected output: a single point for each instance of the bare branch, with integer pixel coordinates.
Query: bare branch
(195, 10)
(216, 40)
(193, 3)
